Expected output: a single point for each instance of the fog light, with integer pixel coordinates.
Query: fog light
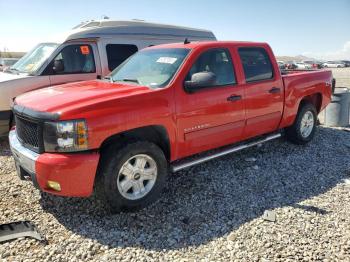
(54, 185)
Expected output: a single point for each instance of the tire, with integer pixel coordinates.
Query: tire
(298, 133)
(334, 83)
(12, 122)
(114, 174)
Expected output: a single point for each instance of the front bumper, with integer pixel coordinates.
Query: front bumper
(75, 172)
(24, 157)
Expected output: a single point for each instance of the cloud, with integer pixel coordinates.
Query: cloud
(343, 53)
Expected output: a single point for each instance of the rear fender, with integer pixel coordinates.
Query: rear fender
(316, 99)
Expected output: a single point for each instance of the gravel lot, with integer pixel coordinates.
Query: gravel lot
(210, 212)
(342, 75)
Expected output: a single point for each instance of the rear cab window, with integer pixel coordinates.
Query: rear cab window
(118, 53)
(256, 64)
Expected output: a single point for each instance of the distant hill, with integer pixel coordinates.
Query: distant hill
(12, 54)
(298, 58)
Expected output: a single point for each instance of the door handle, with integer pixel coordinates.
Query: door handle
(275, 90)
(234, 98)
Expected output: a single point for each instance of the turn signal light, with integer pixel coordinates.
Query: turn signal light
(54, 185)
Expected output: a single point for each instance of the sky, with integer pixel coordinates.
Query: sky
(315, 28)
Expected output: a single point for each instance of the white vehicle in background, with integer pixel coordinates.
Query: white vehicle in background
(5, 63)
(90, 51)
(281, 64)
(333, 64)
(302, 65)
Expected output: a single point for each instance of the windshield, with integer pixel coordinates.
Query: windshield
(153, 67)
(33, 60)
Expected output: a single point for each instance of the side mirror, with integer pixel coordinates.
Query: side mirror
(58, 66)
(200, 80)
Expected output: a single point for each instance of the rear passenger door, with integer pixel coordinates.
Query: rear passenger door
(263, 91)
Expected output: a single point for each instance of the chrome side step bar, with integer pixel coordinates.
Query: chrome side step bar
(226, 151)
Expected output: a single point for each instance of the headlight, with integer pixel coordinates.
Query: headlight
(65, 136)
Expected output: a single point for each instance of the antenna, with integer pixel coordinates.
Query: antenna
(186, 41)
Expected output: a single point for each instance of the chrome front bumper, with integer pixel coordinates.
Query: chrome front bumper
(24, 157)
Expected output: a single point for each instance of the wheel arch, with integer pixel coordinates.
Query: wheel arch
(156, 134)
(315, 99)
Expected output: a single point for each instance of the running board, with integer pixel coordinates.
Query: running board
(226, 151)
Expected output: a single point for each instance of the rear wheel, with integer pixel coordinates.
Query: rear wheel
(131, 176)
(304, 127)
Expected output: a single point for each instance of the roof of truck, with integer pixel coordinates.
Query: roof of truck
(95, 29)
(193, 45)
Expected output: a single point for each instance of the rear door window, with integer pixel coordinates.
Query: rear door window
(118, 53)
(256, 64)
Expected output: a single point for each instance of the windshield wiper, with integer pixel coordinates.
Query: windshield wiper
(108, 78)
(14, 70)
(131, 80)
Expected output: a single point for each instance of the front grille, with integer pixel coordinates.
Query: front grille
(28, 132)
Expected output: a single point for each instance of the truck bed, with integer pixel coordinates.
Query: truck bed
(301, 83)
(311, 77)
(296, 71)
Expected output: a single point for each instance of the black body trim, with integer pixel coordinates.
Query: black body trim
(32, 114)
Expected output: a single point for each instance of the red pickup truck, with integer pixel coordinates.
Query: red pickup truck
(165, 108)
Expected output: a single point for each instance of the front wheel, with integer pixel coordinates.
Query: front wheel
(131, 176)
(304, 127)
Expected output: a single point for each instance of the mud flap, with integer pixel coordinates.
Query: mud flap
(20, 229)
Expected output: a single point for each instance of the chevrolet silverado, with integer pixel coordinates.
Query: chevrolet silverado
(166, 108)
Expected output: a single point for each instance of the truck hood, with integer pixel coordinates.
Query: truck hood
(77, 96)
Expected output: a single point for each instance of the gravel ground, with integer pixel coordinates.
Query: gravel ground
(211, 212)
(342, 75)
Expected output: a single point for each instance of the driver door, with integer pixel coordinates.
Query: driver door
(74, 62)
(214, 115)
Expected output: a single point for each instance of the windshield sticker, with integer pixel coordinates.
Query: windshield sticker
(167, 60)
(84, 49)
